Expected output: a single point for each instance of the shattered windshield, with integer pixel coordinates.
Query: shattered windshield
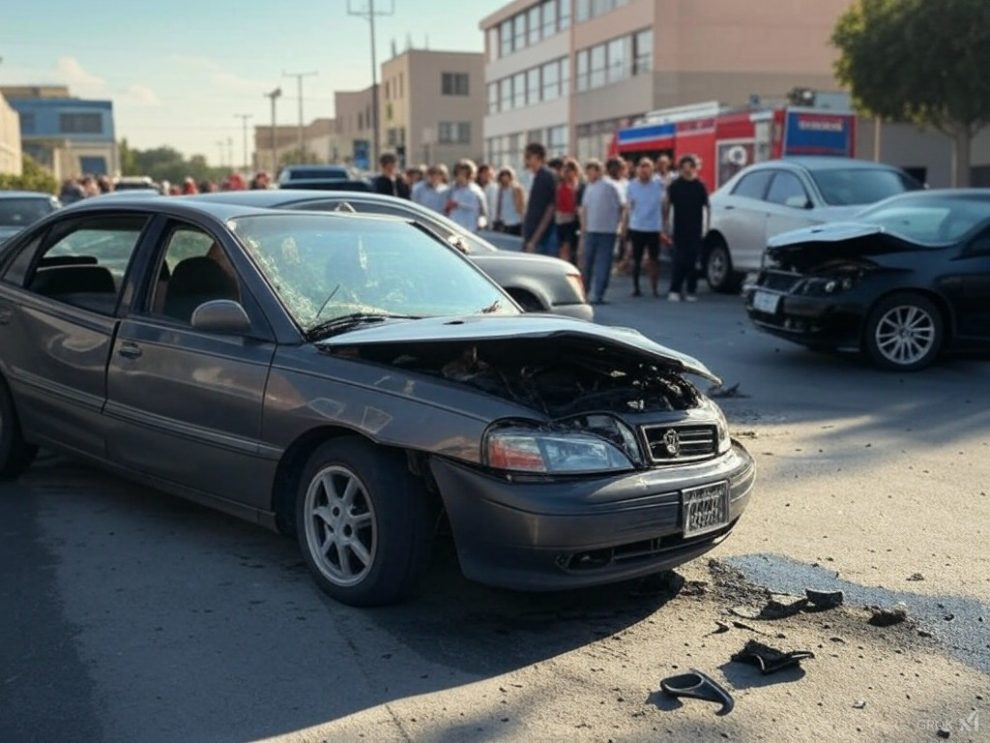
(928, 219)
(327, 267)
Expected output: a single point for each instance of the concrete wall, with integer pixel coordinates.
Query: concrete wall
(10, 140)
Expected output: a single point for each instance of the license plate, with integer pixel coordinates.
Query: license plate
(705, 508)
(766, 302)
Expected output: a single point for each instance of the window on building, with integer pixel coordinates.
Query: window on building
(505, 33)
(549, 12)
(454, 132)
(533, 86)
(454, 83)
(551, 80)
(643, 52)
(80, 123)
(519, 90)
(535, 25)
(619, 59)
(557, 141)
(387, 90)
(493, 98)
(401, 84)
(596, 71)
(565, 75)
(493, 49)
(505, 94)
(582, 69)
(582, 10)
(27, 123)
(519, 32)
(564, 13)
(534, 135)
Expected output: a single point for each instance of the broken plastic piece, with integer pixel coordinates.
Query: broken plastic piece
(768, 659)
(700, 686)
(824, 599)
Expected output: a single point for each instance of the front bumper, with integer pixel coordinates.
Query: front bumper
(558, 534)
(824, 321)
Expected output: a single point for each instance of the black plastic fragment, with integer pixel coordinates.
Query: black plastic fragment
(768, 659)
(699, 686)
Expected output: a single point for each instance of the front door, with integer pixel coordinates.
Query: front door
(186, 405)
(788, 204)
(57, 324)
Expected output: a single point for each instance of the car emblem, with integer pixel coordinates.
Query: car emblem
(672, 442)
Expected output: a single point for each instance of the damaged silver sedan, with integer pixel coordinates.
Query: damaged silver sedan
(358, 383)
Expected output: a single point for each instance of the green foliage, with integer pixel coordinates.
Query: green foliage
(299, 157)
(923, 61)
(32, 178)
(167, 164)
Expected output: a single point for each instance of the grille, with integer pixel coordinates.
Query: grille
(783, 281)
(680, 443)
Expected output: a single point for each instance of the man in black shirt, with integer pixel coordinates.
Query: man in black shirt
(537, 227)
(689, 199)
(389, 181)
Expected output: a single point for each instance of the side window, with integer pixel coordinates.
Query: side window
(753, 185)
(85, 262)
(194, 270)
(787, 190)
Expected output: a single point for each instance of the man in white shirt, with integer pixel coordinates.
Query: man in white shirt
(433, 194)
(466, 203)
(603, 209)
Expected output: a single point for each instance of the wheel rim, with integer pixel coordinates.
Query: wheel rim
(717, 266)
(905, 334)
(341, 527)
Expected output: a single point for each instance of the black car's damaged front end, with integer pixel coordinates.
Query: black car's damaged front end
(619, 467)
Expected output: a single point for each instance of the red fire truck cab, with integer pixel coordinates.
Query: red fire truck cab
(724, 140)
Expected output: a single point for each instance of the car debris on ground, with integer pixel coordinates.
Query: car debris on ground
(887, 617)
(768, 659)
(698, 685)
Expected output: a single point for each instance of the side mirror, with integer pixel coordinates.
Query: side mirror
(798, 202)
(222, 316)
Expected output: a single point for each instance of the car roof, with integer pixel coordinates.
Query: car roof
(25, 195)
(271, 198)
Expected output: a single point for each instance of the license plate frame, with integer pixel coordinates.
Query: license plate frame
(766, 302)
(705, 508)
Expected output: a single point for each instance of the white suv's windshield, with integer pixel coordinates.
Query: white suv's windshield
(929, 219)
(326, 267)
(861, 186)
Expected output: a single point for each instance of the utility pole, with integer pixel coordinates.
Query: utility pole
(274, 96)
(220, 147)
(244, 122)
(369, 13)
(299, 86)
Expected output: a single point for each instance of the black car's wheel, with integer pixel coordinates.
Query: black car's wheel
(363, 523)
(718, 268)
(904, 332)
(15, 454)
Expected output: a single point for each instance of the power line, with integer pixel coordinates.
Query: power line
(299, 83)
(244, 123)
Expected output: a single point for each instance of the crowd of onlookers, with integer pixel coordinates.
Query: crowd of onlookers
(601, 217)
(76, 189)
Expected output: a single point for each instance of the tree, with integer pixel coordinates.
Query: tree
(299, 157)
(166, 164)
(33, 178)
(923, 61)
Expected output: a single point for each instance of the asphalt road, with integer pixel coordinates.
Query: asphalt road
(130, 615)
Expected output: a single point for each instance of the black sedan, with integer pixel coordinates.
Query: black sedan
(358, 382)
(909, 278)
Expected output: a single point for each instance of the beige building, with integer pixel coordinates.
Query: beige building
(10, 139)
(321, 144)
(431, 105)
(568, 73)
(353, 117)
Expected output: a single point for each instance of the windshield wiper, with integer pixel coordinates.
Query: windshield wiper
(348, 322)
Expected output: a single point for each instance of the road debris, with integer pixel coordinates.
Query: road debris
(884, 617)
(777, 606)
(698, 685)
(916, 577)
(720, 390)
(859, 704)
(768, 659)
(719, 628)
(822, 600)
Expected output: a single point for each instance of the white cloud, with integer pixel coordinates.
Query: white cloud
(78, 78)
(141, 95)
(221, 77)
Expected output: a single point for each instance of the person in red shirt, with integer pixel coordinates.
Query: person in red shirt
(565, 214)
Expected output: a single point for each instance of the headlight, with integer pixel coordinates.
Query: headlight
(577, 283)
(524, 450)
(724, 442)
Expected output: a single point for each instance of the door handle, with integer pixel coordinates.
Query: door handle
(728, 207)
(129, 350)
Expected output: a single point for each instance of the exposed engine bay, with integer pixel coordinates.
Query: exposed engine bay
(559, 378)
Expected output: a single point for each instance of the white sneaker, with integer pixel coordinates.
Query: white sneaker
(691, 298)
(673, 297)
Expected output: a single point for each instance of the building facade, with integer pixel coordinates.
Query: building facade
(321, 144)
(10, 139)
(69, 136)
(431, 106)
(355, 134)
(568, 73)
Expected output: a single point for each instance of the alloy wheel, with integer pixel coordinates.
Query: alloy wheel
(905, 334)
(717, 267)
(341, 527)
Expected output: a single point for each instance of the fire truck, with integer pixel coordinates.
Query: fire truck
(725, 140)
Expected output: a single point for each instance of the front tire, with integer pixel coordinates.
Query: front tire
(16, 455)
(363, 523)
(904, 332)
(719, 273)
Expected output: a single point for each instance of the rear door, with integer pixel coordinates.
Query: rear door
(58, 317)
(186, 405)
(741, 217)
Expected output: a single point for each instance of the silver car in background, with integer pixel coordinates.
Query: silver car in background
(772, 197)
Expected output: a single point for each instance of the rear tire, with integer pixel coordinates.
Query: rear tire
(719, 273)
(904, 332)
(363, 523)
(16, 455)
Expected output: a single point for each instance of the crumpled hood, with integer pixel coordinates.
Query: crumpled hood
(479, 328)
(824, 233)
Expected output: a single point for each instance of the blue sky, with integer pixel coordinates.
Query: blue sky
(178, 71)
